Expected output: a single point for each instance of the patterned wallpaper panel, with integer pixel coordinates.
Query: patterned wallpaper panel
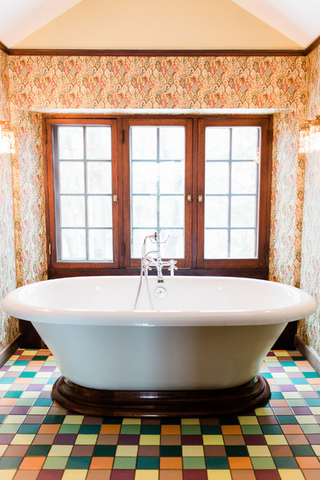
(8, 325)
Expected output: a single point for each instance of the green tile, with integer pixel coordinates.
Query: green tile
(104, 451)
(251, 430)
(69, 428)
(8, 463)
(55, 463)
(190, 463)
(296, 402)
(38, 450)
(237, 451)
(302, 451)
(170, 451)
(130, 429)
(310, 428)
(9, 428)
(271, 429)
(54, 419)
(287, 419)
(90, 429)
(262, 463)
(29, 428)
(40, 358)
(148, 463)
(217, 463)
(150, 429)
(211, 430)
(78, 463)
(285, 462)
(190, 430)
(25, 402)
(124, 463)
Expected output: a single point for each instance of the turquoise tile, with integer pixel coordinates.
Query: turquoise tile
(266, 375)
(43, 402)
(150, 429)
(302, 451)
(217, 463)
(276, 395)
(29, 428)
(287, 420)
(21, 363)
(54, 419)
(78, 463)
(148, 463)
(104, 451)
(13, 394)
(311, 375)
(285, 462)
(38, 450)
(313, 402)
(271, 429)
(27, 374)
(9, 463)
(90, 429)
(299, 381)
(211, 430)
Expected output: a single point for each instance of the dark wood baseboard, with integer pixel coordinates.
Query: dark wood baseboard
(10, 349)
(308, 352)
(187, 403)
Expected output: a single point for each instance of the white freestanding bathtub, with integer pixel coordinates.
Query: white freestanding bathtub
(198, 352)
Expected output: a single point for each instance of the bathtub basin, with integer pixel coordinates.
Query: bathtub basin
(198, 352)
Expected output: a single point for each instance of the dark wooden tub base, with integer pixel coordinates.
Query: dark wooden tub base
(174, 403)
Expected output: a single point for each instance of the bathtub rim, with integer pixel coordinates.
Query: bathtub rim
(13, 305)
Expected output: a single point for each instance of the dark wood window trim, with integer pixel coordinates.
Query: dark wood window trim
(194, 263)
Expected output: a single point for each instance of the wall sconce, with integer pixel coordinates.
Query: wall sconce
(6, 138)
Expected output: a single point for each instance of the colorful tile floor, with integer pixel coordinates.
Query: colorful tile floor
(41, 440)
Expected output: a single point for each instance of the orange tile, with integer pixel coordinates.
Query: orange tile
(313, 381)
(231, 430)
(170, 475)
(170, 429)
(293, 429)
(49, 428)
(37, 363)
(271, 381)
(101, 463)
(302, 363)
(8, 402)
(26, 474)
(98, 475)
(110, 429)
(308, 462)
(278, 403)
(243, 475)
(240, 463)
(170, 463)
(32, 463)
(25, 381)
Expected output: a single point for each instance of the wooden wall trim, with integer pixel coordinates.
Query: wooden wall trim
(4, 48)
(10, 349)
(312, 46)
(308, 352)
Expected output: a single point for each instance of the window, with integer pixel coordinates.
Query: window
(202, 183)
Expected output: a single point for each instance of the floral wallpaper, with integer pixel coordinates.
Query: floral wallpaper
(8, 325)
(48, 83)
(309, 329)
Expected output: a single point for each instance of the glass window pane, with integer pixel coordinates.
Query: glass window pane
(216, 212)
(215, 244)
(174, 247)
(172, 211)
(244, 143)
(144, 177)
(70, 142)
(138, 236)
(144, 211)
(99, 177)
(171, 177)
(172, 143)
(144, 143)
(71, 177)
(101, 245)
(217, 177)
(72, 211)
(98, 143)
(73, 244)
(244, 177)
(99, 211)
(243, 211)
(243, 244)
(217, 143)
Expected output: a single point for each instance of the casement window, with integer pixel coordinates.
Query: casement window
(202, 183)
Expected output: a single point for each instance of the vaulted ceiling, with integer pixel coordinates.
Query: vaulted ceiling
(159, 24)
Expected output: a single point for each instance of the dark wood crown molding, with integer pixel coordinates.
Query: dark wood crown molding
(159, 53)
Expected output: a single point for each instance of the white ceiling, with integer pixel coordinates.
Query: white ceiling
(299, 20)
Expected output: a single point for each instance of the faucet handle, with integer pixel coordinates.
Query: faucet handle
(172, 267)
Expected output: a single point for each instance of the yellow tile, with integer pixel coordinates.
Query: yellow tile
(38, 410)
(281, 353)
(192, 451)
(315, 410)
(8, 474)
(131, 421)
(263, 411)
(3, 448)
(304, 388)
(306, 419)
(14, 358)
(83, 439)
(258, 451)
(248, 420)
(149, 440)
(127, 451)
(212, 439)
(18, 368)
(316, 449)
(29, 353)
(219, 475)
(276, 440)
(291, 369)
(146, 475)
(291, 474)
(60, 451)
(190, 421)
(73, 419)
(14, 419)
(22, 439)
(74, 474)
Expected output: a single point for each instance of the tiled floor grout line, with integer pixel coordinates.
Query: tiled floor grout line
(39, 440)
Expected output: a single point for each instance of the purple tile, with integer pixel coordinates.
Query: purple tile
(38, 419)
(45, 395)
(5, 368)
(266, 474)
(34, 388)
(191, 440)
(5, 439)
(50, 475)
(194, 474)
(287, 388)
(271, 354)
(276, 369)
(255, 440)
(295, 375)
(309, 395)
(313, 439)
(301, 410)
(20, 410)
(47, 369)
(128, 439)
(122, 475)
(65, 439)
(11, 375)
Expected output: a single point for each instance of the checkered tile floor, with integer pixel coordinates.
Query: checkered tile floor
(39, 440)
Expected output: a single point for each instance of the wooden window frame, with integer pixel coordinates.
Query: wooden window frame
(194, 263)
